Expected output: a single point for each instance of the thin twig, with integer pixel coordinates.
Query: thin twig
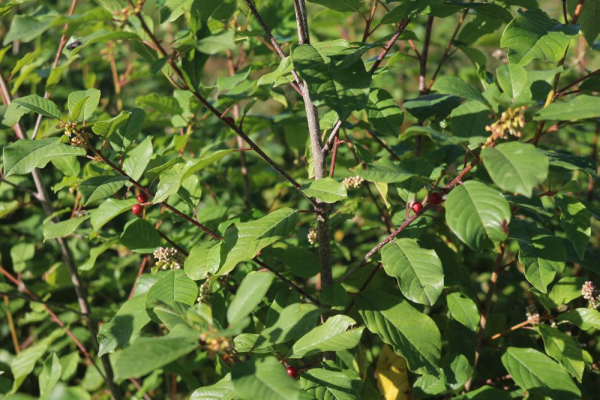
(11, 324)
(487, 307)
(405, 224)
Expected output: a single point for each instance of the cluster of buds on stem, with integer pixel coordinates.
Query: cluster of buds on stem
(312, 236)
(216, 346)
(129, 11)
(511, 122)
(205, 291)
(168, 257)
(591, 294)
(532, 314)
(353, 182)
(76, 138)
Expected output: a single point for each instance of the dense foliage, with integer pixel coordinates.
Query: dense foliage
(273, 199)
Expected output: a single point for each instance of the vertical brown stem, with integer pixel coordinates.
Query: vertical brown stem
(11, 325)
(486, 310)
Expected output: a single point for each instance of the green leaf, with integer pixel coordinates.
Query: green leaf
(263, 379)
(533, 35)
(576, 221)
(103, 35)
(50, 375)
(121, 330)
(564, 349)
(107, 127)
(477, 214)
(343, 88)
(566, 290)
(516, 167)
(100, 187)
(542, 254)
(249, 294)
(174, 9)
(335, 334)
(340, 5)
(40, 105)
(464, 310)
(384, 171)
(63, 228)
(25, 28)
(78, 108)
(485, 393)
(222, 390)
(538, 374)
(140, 236)
(23, 156)
(20, 253)
(433, 105)
(412, 334)
(294, 321)
(24, 362)
(110, 209)
(172, 179)
(326, 384)
(172, 287)
(457, 87)
(418, 271)
(589, 19)
(573, 163)
(149, 354)
(215, 9)
(514, 82)
(128, 132)
(581, 107)
(218, 43)
(326, 189)
(89, 106)
(470, 119)
(204, 259)
(585, 318)
(243, 241)
(137, 159)
(163, 104)
(383, 113)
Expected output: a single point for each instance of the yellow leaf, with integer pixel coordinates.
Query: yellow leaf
(392, 375)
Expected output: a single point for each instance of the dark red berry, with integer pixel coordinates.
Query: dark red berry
(417, 207)
(230, 119)
(292, 371)
(142, 198)
(136, 209)
(436, 198)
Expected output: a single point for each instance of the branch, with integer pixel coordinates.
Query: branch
(80, 291)
(486, 311)
(336, 129)
(405, 224)
(61, 44)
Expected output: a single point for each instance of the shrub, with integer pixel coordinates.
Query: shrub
(264, 199)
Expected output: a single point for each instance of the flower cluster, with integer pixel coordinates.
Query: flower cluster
(511, 122)
(353, 182)
(312, 236)
(532, 314)
(205, 291)
(128, 12)
(168, 258)
(215, 345)
(591, 294)
(75, 137)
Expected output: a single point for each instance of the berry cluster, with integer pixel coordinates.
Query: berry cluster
(216, 345)
(168, 257)
(137, 208)
(353, 182)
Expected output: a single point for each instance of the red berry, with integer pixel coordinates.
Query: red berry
(142, 198)
(292, 371)
(230, 119)
(436, 198)
(417, 207)
(136, 209)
